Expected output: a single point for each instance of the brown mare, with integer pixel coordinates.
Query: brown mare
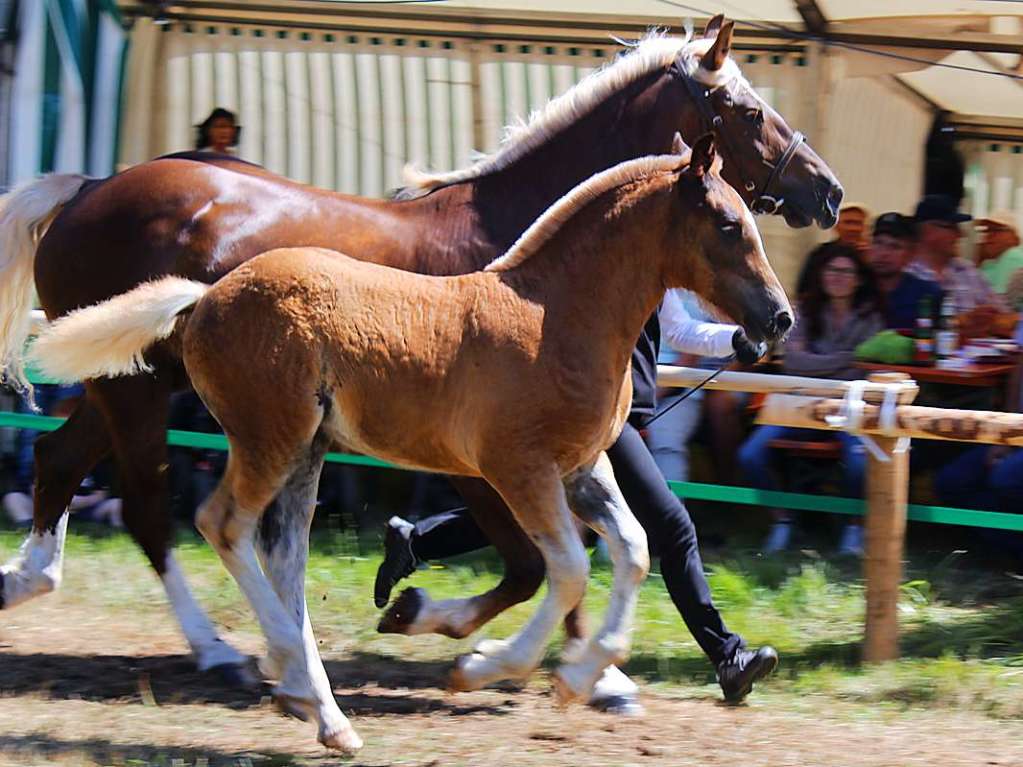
(517, 375)
(200, 216)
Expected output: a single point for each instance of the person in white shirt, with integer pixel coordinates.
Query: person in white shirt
(688, 336)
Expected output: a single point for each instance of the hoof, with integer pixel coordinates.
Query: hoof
(346, 740)
(461, 679)
(568, 689)
(618, 705)
(403, 612)
(236, 675)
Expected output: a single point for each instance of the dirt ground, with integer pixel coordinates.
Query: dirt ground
(81, 687)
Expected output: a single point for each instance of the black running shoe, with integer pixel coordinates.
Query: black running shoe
(399, 561)
(737, 674)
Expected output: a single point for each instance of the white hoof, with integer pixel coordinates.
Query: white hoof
(613, 683)
(344, 739)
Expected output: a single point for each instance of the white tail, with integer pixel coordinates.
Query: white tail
(109, 339)
(25, 215)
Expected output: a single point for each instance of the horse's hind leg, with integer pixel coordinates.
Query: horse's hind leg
(415, 613)
(62, 460)
(136, 411)
(228, 520)
(537, 498)
(283, 548)
(594, 496)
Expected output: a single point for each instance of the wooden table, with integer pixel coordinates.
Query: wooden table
(984, 375)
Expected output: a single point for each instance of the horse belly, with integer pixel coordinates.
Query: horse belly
(384, 426)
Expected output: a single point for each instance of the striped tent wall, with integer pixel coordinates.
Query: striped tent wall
(347, 112)
(7, 50)
(65, 93)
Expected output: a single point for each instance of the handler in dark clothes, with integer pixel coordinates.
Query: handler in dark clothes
(669, 528)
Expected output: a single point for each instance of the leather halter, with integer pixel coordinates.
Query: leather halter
(764, 201)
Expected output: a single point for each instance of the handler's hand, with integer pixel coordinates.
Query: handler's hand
(746, 351)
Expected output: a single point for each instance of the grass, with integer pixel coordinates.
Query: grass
(962, 627)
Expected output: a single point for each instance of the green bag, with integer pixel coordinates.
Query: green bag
(887, 346)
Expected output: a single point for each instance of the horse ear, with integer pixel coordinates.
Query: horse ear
(716, 57)
(704, 153)
(714, 26)
(678, 145)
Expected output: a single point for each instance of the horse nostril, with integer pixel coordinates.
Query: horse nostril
(835, 196)
(782, 322)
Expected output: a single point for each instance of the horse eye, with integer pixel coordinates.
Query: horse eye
(755, 116)
(730, 228)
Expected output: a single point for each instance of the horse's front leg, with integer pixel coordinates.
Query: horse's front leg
(537, 498)
(594, 496)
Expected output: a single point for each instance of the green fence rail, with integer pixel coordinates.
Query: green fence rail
(942, 515)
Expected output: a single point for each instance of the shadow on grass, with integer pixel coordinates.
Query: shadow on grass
(173, 679)
(103, 678)
(100, 751)
(361, 669)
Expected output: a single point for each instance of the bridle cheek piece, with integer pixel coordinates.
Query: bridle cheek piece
(763, 202)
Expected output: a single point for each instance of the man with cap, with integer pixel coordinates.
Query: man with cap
(999, 255)
(937, 259)
(890, 252)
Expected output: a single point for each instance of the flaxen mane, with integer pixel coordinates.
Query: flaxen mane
(653, 52)
(541, 230)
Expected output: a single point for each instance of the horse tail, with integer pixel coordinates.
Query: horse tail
(110, 338)
(25, 215)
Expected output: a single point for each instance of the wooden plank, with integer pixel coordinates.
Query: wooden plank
(669, 375)
(978, 426)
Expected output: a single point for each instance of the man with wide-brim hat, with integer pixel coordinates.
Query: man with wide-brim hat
(999, 255)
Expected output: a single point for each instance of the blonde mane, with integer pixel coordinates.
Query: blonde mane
(655, 51)
(554, 217)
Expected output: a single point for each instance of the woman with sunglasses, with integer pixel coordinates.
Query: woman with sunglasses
(839, 310)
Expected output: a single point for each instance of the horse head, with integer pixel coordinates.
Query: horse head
(770, 164)
(715, 249)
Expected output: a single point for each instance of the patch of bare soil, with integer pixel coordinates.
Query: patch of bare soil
(86, 689)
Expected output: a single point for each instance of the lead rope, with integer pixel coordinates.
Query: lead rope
(687, 394)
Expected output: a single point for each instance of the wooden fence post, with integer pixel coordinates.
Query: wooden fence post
(885, 527)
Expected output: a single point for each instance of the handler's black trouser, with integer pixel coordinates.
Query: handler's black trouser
(670, 533)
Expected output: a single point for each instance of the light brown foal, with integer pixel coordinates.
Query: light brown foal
(492, 374)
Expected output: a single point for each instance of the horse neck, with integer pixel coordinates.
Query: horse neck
(463, 227)
(602, 273)
(623, 127)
